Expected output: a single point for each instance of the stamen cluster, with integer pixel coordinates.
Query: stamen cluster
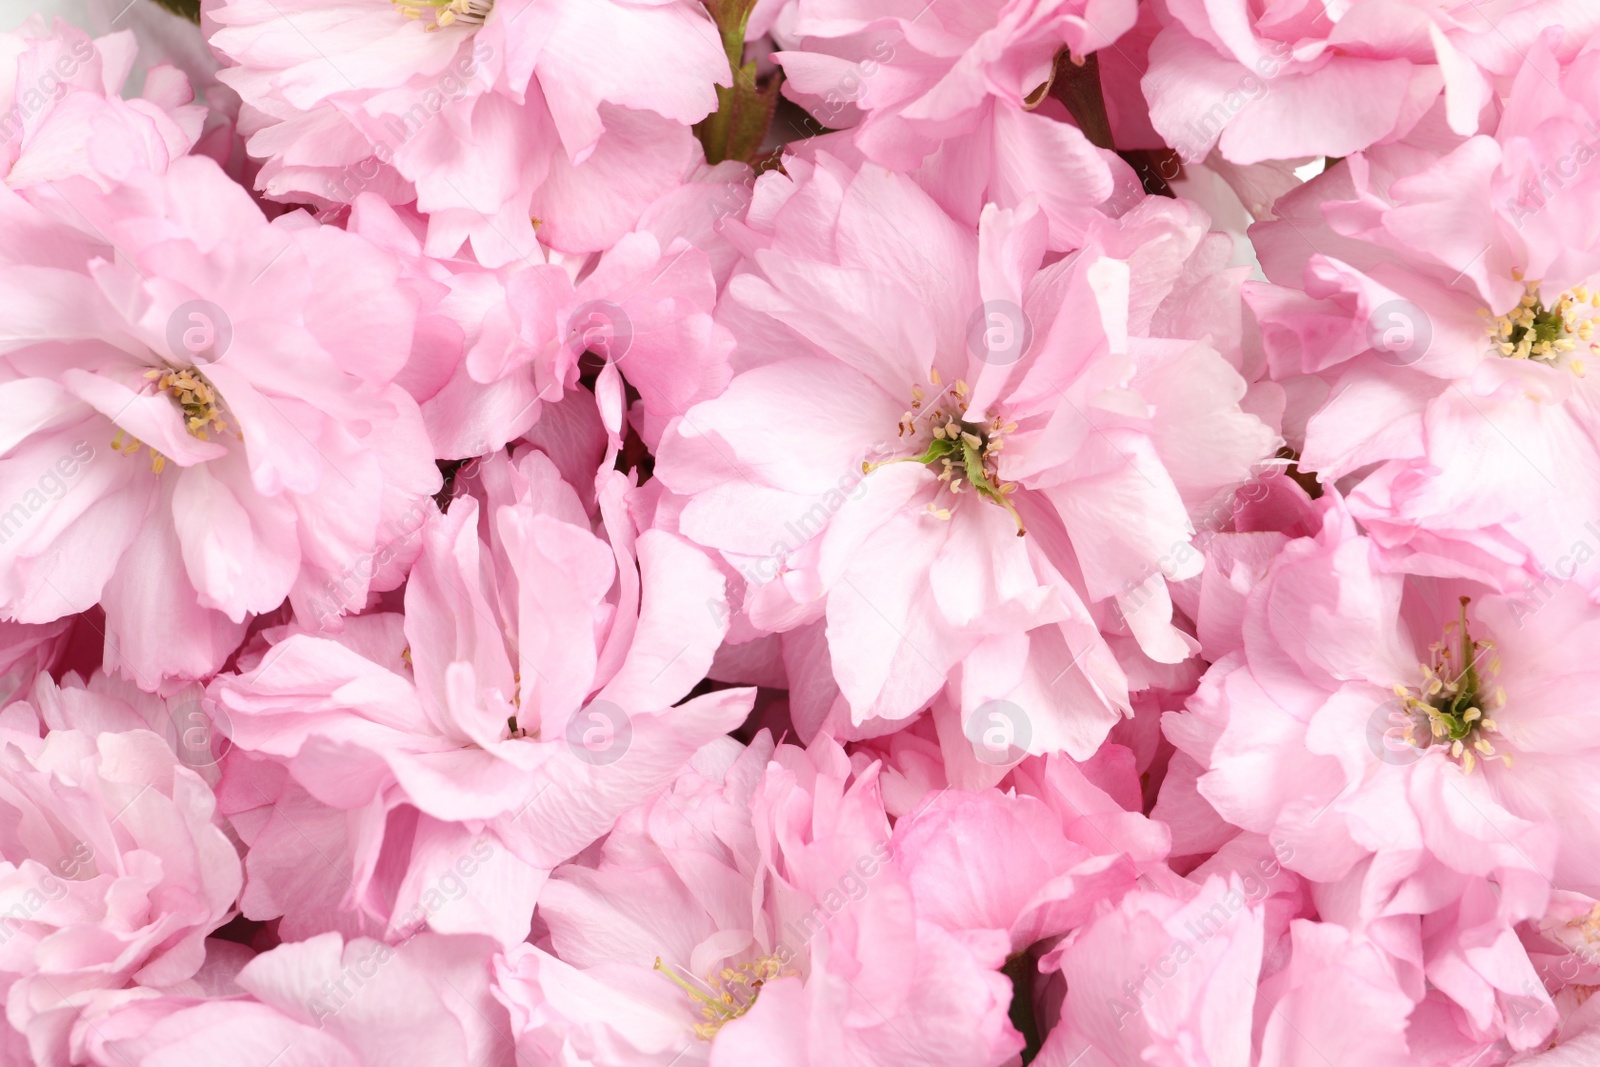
(446, 12)
(964, 454)
(1547, 334)
(194, 395)
(1455, 697)
(728, 994)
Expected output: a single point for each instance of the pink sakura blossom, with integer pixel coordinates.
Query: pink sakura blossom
(62, 113)
(950, 92)
(213, 425)
(1346, 728)
(494, 117)
(519, 706)
(1286, 80)
(757, 907)
(495, 348)
(877, 334)
(1172, 975)
(1434, 343)
(112, 873)
(323, 1001)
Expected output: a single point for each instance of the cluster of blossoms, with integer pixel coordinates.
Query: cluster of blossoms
(656, 533)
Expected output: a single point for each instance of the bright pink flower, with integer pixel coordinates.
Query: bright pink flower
(494, 116)
(877, 334)
(756, 906)
(949, 93)
(212, 421)
(112, 873)
(1284, 80)
(523, 702)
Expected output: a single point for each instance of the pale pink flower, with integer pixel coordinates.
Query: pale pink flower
(494, 116)
(62, 113)
(324, 1000)
(521, 704)
(1283, 80)
(1440, 799)
(757, 905)
(949, 92)
(877, 334)
(113, 873)
(1431, 322)
(212, 424)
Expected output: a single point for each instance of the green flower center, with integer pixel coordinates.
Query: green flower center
(963, 454)
(1546, 334)
(1450, 709)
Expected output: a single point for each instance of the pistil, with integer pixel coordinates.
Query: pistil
(963, 454)
(1547, 334)
(1455, 699)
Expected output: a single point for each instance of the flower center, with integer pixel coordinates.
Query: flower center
(727, 995)
(963, 454)
(446, 12)
(1456, 693)
(195, 396)
(1531, 330)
